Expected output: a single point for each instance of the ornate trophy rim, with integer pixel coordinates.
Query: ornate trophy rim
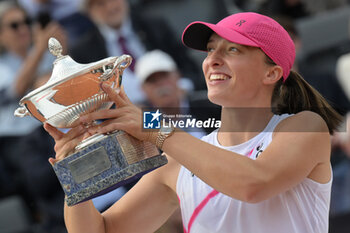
(54, 102)
(88, 68)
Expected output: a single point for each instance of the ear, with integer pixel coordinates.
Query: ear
(273, 74)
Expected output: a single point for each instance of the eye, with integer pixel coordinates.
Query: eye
(233, 49)
(210, 49)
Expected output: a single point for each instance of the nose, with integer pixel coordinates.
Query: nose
(214, 58)
(23, 27)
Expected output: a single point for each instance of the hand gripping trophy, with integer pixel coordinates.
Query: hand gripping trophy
(101, 162)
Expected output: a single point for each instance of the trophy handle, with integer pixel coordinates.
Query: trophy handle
(21, 112)
(121, 63)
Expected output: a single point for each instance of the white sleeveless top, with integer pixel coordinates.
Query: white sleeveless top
(302, 209)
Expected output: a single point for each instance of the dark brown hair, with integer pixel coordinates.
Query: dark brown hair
(295, 95)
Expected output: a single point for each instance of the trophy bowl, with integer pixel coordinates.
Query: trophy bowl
(101, 162)
(73, 89)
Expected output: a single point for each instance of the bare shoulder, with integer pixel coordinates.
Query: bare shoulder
(309, 136)
(305, 121)
(308, 131)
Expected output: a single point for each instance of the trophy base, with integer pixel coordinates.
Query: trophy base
(104, 165)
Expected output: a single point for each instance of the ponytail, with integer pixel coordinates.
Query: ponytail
(296, 95)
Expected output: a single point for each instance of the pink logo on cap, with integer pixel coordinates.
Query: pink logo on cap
(258, 31)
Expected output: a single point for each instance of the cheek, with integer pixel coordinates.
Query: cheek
(7, 38)
(204, 66)
(147, 90)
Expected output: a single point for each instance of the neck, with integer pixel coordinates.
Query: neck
(241, 124)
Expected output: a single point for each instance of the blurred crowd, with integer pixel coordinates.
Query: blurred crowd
(164, 74)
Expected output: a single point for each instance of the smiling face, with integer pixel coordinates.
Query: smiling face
(236, 74)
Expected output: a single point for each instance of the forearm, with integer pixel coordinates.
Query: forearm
(28, 71)
(83, 217)
(225, 171)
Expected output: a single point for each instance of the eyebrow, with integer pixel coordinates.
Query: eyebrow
(210, 41)
(238, 45)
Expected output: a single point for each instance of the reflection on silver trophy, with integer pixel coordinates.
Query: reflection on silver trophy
(102, 162)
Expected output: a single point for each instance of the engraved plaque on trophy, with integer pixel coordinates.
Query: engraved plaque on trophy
(101, 162)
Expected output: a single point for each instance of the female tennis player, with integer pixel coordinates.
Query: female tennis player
(265, 170)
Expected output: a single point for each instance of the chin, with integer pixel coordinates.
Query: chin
(215, 99)
(223, 101)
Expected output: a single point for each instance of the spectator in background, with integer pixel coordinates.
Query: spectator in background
(24, 145)
(21, 63)
(121, 30)
(291, 8)
(65, 12)
(161, 82)
(297, 8)
(319, 6)
(342, 140)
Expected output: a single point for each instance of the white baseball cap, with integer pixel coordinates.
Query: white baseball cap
(343, 73)
(152, 62)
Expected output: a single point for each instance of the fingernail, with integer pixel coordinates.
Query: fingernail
(82, 118)
(91, 131)
(104, 85)
(86, 135)
(82, 128)
(99, 130)
(51, 161)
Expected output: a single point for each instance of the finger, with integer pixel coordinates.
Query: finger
(101, 114)
(75, 132)
(113, 94)
(110, 126)
(52, 161)
(68, 147)
(54, 132)
(51, 28)
(124, 96)
(61, 156)
(86, 135)
(97, 128)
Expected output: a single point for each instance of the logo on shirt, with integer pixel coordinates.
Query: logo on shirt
(151, 119)
(259, 150)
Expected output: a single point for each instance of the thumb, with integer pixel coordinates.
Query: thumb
(113, 94)
(123, 95)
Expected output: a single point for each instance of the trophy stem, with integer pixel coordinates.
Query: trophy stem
(90, 140)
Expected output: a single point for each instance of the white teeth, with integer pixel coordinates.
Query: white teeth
(218, 77)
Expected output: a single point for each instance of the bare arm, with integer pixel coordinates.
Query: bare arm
(28, 71)
(83, 217)
(300, 149)
(143, 209)
(148, 204)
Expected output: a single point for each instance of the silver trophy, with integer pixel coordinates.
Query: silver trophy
(102, 162)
